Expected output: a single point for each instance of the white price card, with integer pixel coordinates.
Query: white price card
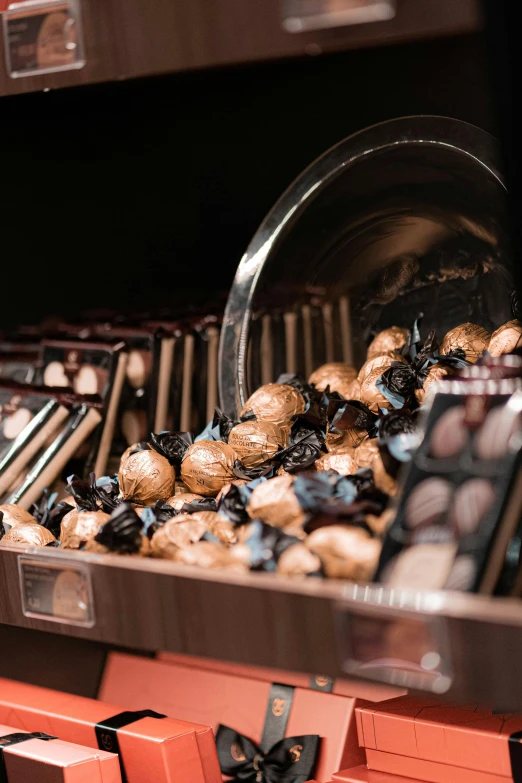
(302, 15)
(56, 591)
(43, 36)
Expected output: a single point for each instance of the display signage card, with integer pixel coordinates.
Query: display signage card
(56, 590)
(43, 36)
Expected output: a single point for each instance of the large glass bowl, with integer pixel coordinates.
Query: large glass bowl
(403, 219)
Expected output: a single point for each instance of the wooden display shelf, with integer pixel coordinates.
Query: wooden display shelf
(261, 620)
(132, 38)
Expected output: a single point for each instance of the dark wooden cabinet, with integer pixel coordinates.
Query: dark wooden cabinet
(133, 38)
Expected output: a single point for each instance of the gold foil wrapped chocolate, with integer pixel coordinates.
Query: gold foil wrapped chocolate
(256, 442)
(276, 402)
(370, 394)
(382, 361)
(15, 515)
(207, 466)
(28, 534)
(392, 339)
(337, 375)
(506, 338)
(437, 372)
(298, 561)
(218, 525)
(178, 501)
(367, 453)
(368, 377)
(145, 477)
(470, 338)
(274, 502)
(128, 452)
(207, 554)
(348, 438)
(346, 552)
(342, 460)
(78, 527)
(179, 532)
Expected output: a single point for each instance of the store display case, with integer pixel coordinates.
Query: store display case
(400, 228)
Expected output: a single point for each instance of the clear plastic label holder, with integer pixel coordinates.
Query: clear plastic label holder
(43, 36)
(304, 15)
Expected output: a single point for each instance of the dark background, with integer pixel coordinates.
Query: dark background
(147, 192)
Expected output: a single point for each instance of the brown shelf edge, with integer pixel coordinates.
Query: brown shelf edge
(125, 40)
(264, 621)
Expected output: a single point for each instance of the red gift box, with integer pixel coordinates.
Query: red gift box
(37, 760)
(221, 698)
(402, 732)
(157, 749)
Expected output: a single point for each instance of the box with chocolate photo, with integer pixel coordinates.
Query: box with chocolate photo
(19, 362)
(90, 368)
(140, 390)
(29, 417)
(187, 391)
(462, 497)
(51, 453)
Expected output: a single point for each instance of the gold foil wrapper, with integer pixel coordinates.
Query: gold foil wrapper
(298, 561)
(256, 442)
(219, 525)
(28, 534)
(346, 438)
(207, 554)
(337, 375)
(145, 477)
(392, 339)
(179, 532)
(342, 460)
(383, 480)
(437, 372)
(207, 466)
(346, 552)
(382, 362)
(78, 527)
(15, 515)
(178, 501)
(367, 453)
(126, 454)
(370, 394)
(274, 502)
(470, 338)
(506, 338)
(275, 402)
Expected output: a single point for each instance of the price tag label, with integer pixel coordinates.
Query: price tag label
(400, 648)
(42, 36)
(302, 15)
(56, 591)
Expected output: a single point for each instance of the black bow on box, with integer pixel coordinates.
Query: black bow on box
(290, 760)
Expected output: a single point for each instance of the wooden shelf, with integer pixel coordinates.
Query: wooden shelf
(132, 38)
(260, 620)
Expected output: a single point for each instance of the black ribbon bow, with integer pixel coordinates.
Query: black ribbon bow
(291, 760)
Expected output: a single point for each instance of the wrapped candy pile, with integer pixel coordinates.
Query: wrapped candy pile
(300, 485)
